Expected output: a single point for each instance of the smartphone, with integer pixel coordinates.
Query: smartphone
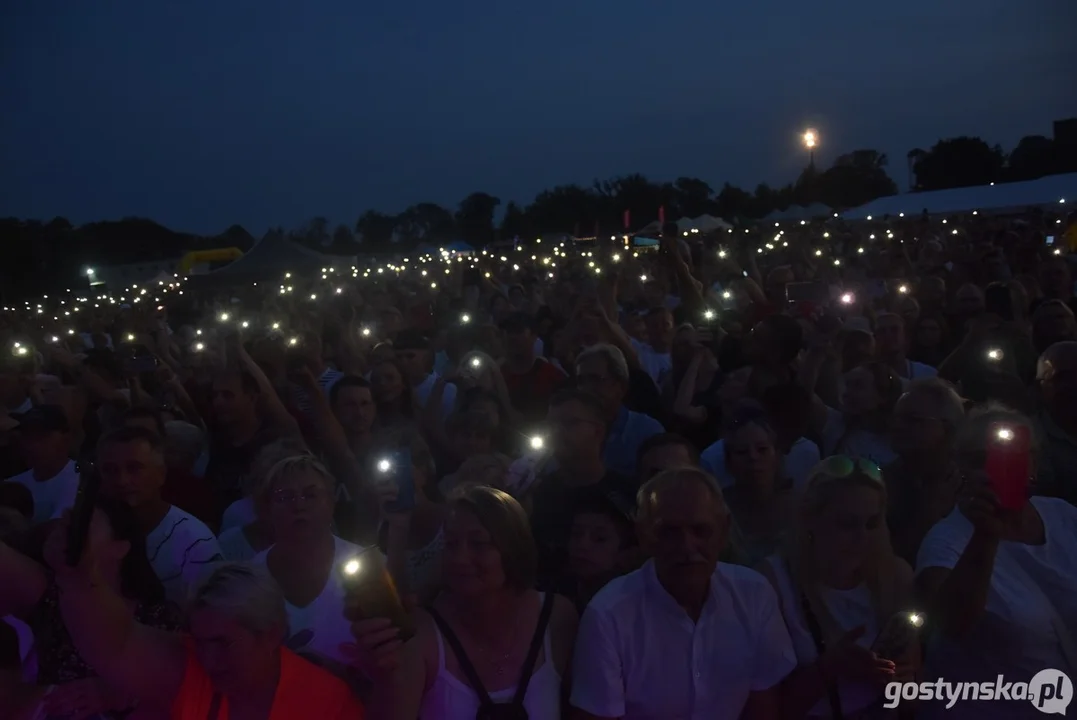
(396, 468)
(82, 511)
(898, 635)
(1009, 451)
(139, 362)
(369, 592)
(1050, 239)
(809, 292)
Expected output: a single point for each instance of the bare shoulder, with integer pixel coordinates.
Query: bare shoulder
(564, 615)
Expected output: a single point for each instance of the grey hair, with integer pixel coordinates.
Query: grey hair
(613, 356)
(264, 461)
(647, 497)
(951, 406)
(185, 438)
(245, 592)
(972, 434)
(293, 465)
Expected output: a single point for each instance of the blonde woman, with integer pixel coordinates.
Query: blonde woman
(839, 583)
(296, 499)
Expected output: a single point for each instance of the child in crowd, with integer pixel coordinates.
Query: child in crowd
(602, 544)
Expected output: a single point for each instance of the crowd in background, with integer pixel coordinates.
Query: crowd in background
(607, 483)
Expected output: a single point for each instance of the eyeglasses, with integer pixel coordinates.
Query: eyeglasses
(843, 466)
(288, 497)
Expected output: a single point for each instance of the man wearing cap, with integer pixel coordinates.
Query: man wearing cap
(413, 352)
(44, 436)
(530, 379)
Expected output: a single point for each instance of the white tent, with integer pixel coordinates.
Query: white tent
(703, 223)
(1056, 190)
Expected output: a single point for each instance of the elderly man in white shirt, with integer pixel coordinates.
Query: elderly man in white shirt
(682, 638)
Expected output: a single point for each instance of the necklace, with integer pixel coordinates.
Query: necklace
(500, 660)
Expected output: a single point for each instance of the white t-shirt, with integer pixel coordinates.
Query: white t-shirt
(234, 545)
(860, 443)
(797, 466)
(654, 363)
(181, 549)
(238, 514)
(52, 496)
(319, 628)
(640, 657)
(1015, 636)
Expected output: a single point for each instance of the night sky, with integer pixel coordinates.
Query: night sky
(202, 114)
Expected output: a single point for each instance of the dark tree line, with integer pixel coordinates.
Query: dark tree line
(39, 256)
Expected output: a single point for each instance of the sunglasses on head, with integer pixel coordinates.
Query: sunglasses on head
(843, 466)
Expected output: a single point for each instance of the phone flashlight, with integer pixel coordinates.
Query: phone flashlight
(1004, 434)
(903, 289)
(19, 350)
(385, 465)
(537, 442)
(465, 318)
(365, 332)
(721, 254)
(643, 278)
(199, 347)
(244, 324)
(847, 298)
(616, 257)
(70, 331)
(223, 317)
(275, 326)
(818, 253)
(293, 341)
(916, 620)
(130, 337)
(54, 339)
(726, 294)
(708, 314)
(994, 355)
(476, 362)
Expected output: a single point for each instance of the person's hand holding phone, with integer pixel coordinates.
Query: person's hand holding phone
(54, 551)
(848, 659)
(981, 506)
(377, 648)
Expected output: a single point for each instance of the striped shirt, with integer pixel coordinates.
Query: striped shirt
(181, 548)
(326, 382)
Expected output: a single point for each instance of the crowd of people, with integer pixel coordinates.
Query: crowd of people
(764, 473)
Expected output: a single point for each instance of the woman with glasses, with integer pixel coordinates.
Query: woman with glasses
(862, 426)
(489, 640)
(922, 483)
(839, 583)
(1000, 571)
(232, 664)
(297, 501)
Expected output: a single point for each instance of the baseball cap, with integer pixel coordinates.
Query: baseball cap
(43, 418)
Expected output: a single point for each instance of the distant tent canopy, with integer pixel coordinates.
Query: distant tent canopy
(198, 257)
(460, 248)
(1053, 190)
(800, 212)
(703, 224)
(272, 256)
